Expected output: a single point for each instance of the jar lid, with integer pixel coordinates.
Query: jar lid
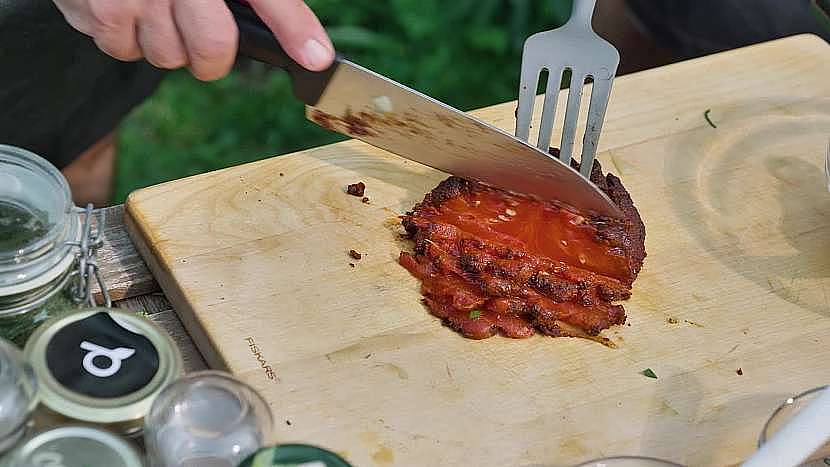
(102, 365)
(285, 455)
(74, 446)
(37, 217)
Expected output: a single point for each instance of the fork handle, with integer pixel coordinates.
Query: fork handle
(582, 12)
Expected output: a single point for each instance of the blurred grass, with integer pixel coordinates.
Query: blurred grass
(465, 52)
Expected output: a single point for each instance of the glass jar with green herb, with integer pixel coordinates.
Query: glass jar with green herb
(41, 244)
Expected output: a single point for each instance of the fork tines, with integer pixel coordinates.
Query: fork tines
(577, 49)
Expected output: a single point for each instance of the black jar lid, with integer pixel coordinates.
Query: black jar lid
(102, 365)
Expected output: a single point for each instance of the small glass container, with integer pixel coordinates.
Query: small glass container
(629, 461)
(40, 230)
(18, 395)
(102, 366)
(785, 412)
(206, 419)
(73, 446)
(294, 454)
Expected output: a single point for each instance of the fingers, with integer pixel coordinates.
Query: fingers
(209, 34)
(201, 34)
(113, 24)
(159, 37)
(170, 34)
(298, 30)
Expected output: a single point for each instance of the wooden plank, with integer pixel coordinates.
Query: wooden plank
(256, 264)
(194, 328)
(133, 287)
(168, 320)
(148, 304)
(158, 310)
(125, 273)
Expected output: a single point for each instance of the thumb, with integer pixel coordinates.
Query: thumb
(298, 30)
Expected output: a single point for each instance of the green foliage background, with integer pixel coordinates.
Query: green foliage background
(464, 52)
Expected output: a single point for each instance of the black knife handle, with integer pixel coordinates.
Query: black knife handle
(256, 41)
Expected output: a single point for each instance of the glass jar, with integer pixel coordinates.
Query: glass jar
(207, 418)
(70, 446)
(785, 413)
(43, 242)
(18, 395)
(629, 461)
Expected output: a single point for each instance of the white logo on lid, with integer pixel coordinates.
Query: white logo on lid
(48, 459)
(115, 356)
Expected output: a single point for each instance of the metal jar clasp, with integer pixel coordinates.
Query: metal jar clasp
(88, 270)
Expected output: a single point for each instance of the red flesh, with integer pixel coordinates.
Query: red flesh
(496, 262)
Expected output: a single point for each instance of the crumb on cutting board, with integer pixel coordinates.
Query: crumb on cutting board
(356, 189)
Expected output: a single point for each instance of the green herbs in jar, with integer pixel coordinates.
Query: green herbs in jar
(20, 227)
(40, 234)
(17, 328)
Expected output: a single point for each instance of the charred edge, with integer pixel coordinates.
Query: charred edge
(628, 235)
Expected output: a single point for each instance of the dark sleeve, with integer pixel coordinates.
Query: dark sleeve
(692, 28)
(58, 93)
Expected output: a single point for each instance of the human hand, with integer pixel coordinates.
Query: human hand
(199, 34)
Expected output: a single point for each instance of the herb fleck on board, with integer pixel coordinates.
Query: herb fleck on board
(648, 372)
(709, 120)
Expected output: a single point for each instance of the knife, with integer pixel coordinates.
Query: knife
(360, 103)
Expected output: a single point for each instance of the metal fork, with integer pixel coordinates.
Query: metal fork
(575, 47)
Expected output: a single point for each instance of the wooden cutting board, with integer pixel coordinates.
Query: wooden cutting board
(254, 259)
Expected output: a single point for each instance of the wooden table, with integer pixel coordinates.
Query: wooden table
(133, 287)
(730, 310)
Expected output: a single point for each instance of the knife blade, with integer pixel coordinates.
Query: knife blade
(360, 103)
